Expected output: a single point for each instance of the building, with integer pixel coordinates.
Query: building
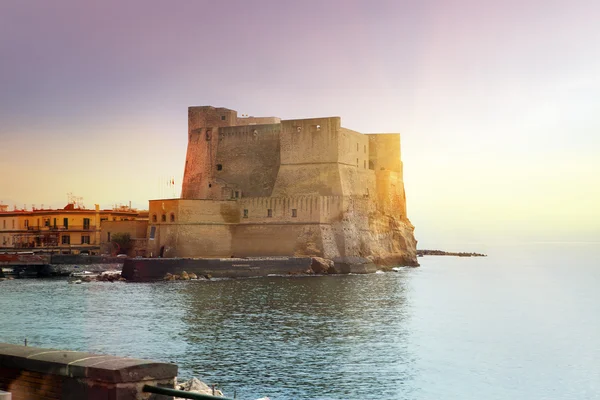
(136, 229)
(73, 229)
(271, 187)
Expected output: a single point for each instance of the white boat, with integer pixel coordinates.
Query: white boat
(83, 273)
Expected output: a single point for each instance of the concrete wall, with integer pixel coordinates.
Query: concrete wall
(384, 152)
(308, 180)
(199, 227)
(31, 373)
(353, 148)
(309, 157)
(137, 229)
(306, 141)
(249, 159)
(282, 239)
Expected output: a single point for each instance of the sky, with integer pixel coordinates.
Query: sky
(497, 102)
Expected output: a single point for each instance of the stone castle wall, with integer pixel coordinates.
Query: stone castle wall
(263, 187)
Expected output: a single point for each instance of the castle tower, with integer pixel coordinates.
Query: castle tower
(203, 131)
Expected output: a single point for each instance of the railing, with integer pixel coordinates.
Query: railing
(180, 393)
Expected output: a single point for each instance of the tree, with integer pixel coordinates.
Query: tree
(123, 240)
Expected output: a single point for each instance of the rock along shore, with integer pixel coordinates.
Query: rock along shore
(421, 253)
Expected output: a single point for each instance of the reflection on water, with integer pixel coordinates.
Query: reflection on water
(520, 324)
(289, 338)
(301, 336)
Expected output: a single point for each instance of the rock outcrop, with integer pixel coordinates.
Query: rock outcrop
(195, 385)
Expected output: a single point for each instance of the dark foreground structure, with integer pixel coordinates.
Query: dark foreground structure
(33, 373)
(154, 269)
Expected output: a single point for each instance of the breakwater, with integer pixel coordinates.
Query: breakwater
(46, 265)
(154, 269)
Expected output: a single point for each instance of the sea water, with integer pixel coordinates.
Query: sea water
(522, 323)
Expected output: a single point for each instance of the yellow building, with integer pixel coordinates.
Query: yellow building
(72, 229)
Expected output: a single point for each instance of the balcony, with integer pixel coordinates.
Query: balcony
(90, 228)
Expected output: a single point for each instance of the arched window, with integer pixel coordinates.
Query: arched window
(153, 217)
(172, 217)
(163, 218)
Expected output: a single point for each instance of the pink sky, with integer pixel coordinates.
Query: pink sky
(497, 101)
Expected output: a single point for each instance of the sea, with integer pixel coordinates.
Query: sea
(521, 323)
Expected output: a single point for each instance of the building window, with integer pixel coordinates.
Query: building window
(66, 223)
(219, 167)
(294, 213)
(13, 224)
(47, 223)
(172, 217)
(54, 223)
(163, 218)
(152, 232)
(269, 213)
(210, 185)
(26, 223)
(222, 118)
(357, 163)
(108, 237)
(66, 240)
(237, 194)
(245, 213)
(365, 149)
(153, 217)
(365, 164)
(86, 223)
(85, 239)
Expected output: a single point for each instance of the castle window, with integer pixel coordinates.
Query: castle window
(245, 213)
(172, 217)
(153, 217)
(163, 218)
(294, 212)
(219, 167)
(269, 213)
(222, 118)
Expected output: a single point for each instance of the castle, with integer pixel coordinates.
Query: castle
(257, 187)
